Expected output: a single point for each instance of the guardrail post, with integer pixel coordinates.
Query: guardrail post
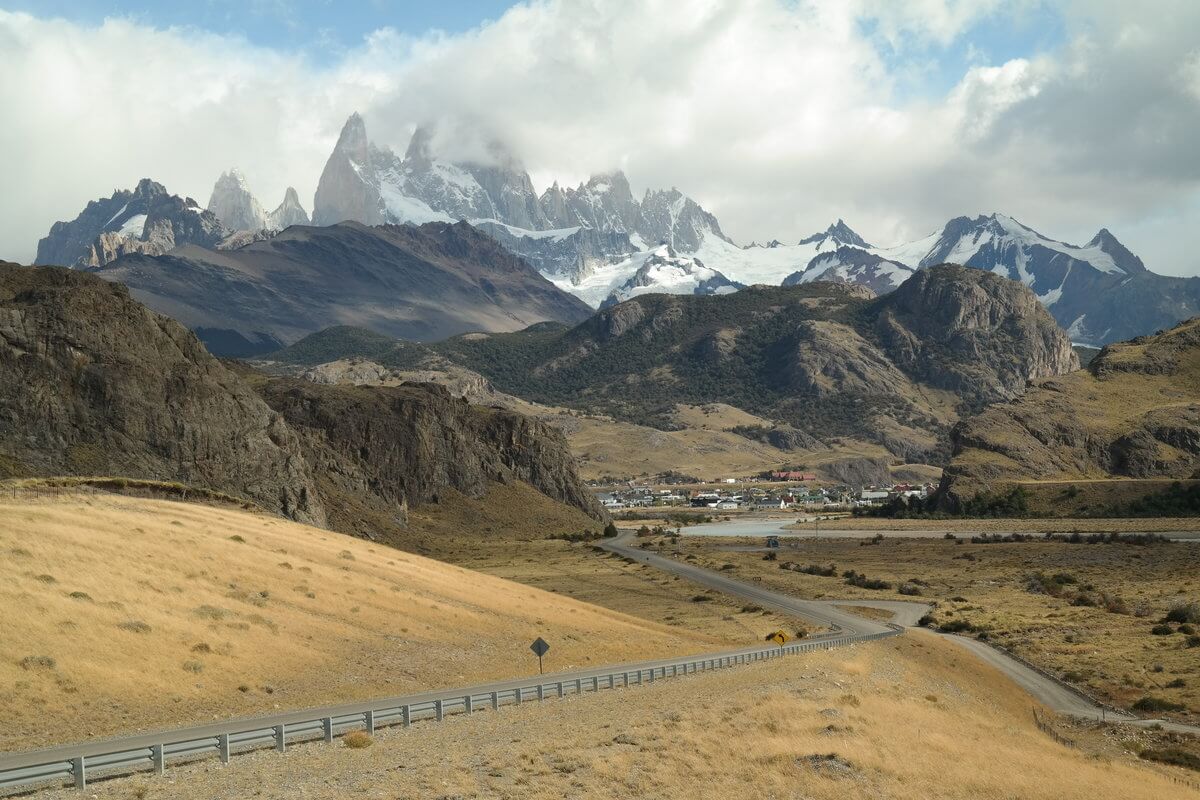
(406, 715)
(560, 689)
(437, 710)
(595, 683)
(281, 737)
(469, 704)
(369, 720)
(578, 686)
(541, 692)
(495, 701)
(327, 729)
(223, 747)
(79, 771)
(158, 759)
(517, 695)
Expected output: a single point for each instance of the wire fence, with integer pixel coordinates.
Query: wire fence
(80, 764)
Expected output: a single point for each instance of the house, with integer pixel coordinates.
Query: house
(726, 505)
(874, 495)
(791, 475)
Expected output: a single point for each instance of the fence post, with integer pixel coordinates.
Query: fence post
(495, 701)
(369, 720)
(327, 729)
(223, 747)
(79, 770)
(437, 710)
(281, 737)
(406, 715)
(158, 759)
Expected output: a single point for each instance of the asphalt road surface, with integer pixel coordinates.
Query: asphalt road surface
(1049, 692)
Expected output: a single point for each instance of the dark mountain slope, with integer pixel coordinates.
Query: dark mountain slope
(420, 283)
(93, 383)
(828, 359)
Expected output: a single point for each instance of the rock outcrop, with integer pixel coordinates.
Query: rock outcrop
(94, 383)
(233, 204)
(288, 213)
(1133, 413)
(349, 188)
(407, 444)
(147, 220)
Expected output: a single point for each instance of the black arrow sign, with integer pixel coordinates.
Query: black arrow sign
(540, 648)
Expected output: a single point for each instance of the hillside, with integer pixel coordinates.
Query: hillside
(420, 283)
(92, 383)
(124, 614)
(1134, 413)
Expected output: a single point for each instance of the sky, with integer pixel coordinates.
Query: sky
(779, 116)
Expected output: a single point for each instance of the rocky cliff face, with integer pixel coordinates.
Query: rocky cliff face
(348, 188)
(233, 204)
(288, 213)
(972, 332)
(93, 383)
(146, 220)
(407, 444)
(1134, 413)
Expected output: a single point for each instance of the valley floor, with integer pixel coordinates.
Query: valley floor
(905, 718)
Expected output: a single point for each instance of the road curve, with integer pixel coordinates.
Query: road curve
(820, 611)
(1049, 692)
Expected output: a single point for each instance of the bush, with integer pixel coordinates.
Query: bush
(1184, 612)
(38, 662)
(863, 582)
(610, 530)
(357, 740)
(1162, 630)
(958, 626)
(751, 609)
(134, 626)
(1193, 641)
(701, 598)
(1172, 755)
(1149, 703)
(926, 621)
(193, 666)
(909, 589)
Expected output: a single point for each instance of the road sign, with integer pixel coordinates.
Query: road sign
(539, 648)
(778, 637)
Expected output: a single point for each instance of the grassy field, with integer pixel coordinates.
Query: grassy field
(905, 719)
(579, 571)
(123, 614)
(1099, 632)
(969, 527)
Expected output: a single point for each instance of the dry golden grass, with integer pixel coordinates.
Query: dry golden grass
(126, 613)
(1112, 655)
(969, 527)
(907, 719)
(579, 571)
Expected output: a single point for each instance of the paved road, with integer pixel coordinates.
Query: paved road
(1047, 691)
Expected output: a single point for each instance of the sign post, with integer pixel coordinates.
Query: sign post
(539, 648)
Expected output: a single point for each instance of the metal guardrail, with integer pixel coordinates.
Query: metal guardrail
(81, 763)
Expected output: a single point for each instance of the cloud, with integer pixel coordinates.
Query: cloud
(778, 116)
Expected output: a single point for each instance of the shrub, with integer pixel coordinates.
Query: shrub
(801, 633)
(1184, 612)
(863, 582)
(357, 740)
(1193, 641)
(926, 621)
(958, 626)
(38, 662)
(193, 666)
(80, 596)
(1162, 630)
(1172, 755)
(1149, 703)
(751, 609)
(202, 647)
(1178, 683)
(1188, 629)
(134, 626)
(347, 555)
(701, 598)
(610, 530)
(237, 538)
(909, 589)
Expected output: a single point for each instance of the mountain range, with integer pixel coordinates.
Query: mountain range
(421, 283)
(823, 362)
(602, 244)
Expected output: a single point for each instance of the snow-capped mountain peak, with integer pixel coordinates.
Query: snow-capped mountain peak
(234, 205)
(839, 233)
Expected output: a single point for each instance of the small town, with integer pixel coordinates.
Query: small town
(753, 494)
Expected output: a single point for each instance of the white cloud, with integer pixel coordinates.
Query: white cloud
(778, 116)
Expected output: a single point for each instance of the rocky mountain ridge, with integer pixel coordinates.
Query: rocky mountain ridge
(416, 283)
(95, 384)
